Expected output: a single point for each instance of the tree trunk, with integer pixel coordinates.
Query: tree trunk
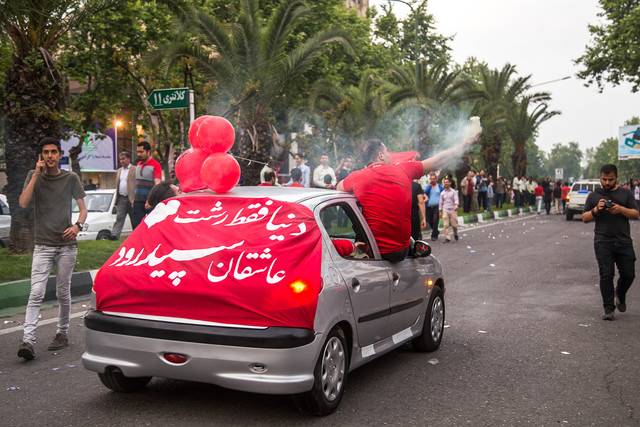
(423, 144)
(255, 143)
(32, 107)
(519, 160)
(490, 151)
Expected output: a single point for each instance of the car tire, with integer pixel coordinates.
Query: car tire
(330, 377)
(569, 215)
(114, 379)
(104, 235)
(433, 327)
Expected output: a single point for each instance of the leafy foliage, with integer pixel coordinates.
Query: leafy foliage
(614, 53)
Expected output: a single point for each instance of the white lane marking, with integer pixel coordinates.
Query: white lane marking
(41, 323)
(470, 228)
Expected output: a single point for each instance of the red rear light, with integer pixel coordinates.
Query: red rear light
(176, 358)
(298, 286)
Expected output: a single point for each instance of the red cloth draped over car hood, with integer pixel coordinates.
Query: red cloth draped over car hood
(235, 261)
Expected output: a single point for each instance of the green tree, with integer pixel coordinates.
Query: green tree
(349, 114)
(523, 121)
(253, 66)
(430, 89)
(613, 55)
(565, 156)
(495, 93)
(34, 101)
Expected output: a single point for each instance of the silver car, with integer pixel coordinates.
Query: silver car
(366, 308)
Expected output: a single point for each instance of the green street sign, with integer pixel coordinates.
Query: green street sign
(169, 99)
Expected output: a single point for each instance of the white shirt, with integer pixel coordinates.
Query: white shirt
(320, 172)
(122, 185)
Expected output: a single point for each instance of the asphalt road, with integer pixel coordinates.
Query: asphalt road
(524, 345)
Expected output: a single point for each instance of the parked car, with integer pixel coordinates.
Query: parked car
(5, 221)
(577, 196)
(192, 295)
(101, 207)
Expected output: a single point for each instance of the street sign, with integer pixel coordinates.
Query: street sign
(169, 99)
(559, 173)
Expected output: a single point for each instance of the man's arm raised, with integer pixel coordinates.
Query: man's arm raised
(437, 161)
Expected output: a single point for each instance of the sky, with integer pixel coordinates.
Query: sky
(542, 38)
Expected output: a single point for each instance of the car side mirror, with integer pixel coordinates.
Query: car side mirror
(114, 210)
(421, 249)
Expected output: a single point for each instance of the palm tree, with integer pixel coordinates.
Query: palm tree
(351, 114)
(252, 65)
(429, 88)
(494, 96)
(35, 90)
(522, 125)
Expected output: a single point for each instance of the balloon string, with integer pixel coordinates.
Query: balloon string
(250, 160)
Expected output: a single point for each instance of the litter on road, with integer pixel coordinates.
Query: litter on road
(565, 352)
(482, 332)
(433, 361)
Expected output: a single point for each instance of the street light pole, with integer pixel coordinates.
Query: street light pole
(551, 81)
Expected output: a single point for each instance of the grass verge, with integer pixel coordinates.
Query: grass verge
(91, 255)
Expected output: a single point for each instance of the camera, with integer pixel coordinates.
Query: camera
(608, 203)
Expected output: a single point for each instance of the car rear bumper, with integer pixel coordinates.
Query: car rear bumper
(136, 347)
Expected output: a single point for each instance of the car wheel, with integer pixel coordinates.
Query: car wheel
(330, 377)
(433, 327)
(104, 235)
(116, 381)
(569, 215)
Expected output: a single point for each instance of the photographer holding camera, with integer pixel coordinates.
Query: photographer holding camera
(612, 206)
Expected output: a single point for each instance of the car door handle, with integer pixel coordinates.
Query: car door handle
(355, 282)
(395, 276)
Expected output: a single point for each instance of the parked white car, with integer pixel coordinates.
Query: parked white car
(101, 206)
(578, 194)
(5, 221)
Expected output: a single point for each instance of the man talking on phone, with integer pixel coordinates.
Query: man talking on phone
(611, 207)
(49, 190)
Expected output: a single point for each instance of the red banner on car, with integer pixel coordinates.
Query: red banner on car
(227, 260)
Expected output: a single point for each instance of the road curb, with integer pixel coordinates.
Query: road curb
(16, 293)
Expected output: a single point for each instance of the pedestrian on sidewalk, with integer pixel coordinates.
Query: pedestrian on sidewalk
(432, 192)
(148, 174)
(490, 194)
(565, 194)
(548, 195)
(466, 186)
(50, 190)
(501, 190)
(539, 194)
(126, 182)
(557, 197)
(481, 187)
(611, 206)
(449, 210)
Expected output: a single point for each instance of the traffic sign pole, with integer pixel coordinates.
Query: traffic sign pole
(192, 107)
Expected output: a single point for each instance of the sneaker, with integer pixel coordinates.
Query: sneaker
(433, 239)
(622, 307)
(59, 342)
(446, 240)
(608, 315)
(26, 351)
(455, 236)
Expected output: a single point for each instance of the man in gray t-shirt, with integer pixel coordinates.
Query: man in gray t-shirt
(49, 191)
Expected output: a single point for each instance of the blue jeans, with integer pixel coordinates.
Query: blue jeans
(44, 259)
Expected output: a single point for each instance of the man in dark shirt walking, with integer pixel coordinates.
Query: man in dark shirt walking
(49, 191)
(148, 173)
(612, 206)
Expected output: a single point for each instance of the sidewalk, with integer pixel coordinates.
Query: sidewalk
(470, 218)
(16, 294)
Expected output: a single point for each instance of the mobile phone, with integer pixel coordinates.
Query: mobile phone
(41, 159)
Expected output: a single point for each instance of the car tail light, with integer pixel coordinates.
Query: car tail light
(298, 287)
(175, 358)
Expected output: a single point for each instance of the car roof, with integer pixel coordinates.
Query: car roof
(284, 194)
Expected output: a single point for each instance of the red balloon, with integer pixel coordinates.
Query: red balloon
(193, 130)
(220, 172)
(188, 168)
(215, 135)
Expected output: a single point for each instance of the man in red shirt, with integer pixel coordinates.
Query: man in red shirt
(384, 191)
(565, 193)
(148, 173)
(296, 178)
